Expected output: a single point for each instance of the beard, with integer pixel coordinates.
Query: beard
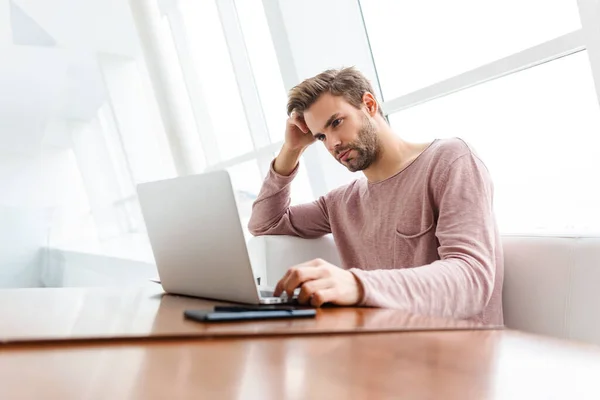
(366, 147)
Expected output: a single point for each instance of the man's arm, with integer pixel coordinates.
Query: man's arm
(287, 160)
(460, 284)
(271, 212)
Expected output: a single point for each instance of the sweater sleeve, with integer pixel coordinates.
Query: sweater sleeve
(273, 215)
(460, 283)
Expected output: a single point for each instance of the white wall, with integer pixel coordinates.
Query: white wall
(44, 89)
(22, 222)
(98, 25)
(36, 188)
(62, 268)
(22, 235)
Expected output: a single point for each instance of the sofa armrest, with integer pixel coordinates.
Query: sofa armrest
(271, 256)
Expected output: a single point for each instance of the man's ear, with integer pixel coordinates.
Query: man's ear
(370, 103)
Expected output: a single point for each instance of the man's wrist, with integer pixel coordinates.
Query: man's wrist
(360, 289)
(287, 160)
(292, 151)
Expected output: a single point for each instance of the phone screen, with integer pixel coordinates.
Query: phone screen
(211, 316)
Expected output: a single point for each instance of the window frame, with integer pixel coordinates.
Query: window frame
(585, 38)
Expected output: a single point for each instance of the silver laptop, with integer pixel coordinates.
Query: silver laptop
(197, 239)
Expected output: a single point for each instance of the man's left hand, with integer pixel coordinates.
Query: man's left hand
(320, 283)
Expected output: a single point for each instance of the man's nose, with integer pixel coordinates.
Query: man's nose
(334, 143)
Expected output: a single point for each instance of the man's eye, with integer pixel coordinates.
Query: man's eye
(320, 137)
(336, 122)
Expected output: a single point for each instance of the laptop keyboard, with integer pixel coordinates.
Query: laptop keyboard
(269, 293)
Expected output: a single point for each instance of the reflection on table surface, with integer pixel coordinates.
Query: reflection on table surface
(483, 364)
(80, 313)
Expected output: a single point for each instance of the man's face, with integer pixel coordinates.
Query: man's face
(349, 134)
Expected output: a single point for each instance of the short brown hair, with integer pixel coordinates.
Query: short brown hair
(347, 82)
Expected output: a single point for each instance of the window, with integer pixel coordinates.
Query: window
(237, 74)
(418, 43)
(141, 134)
(262, 56)
(246, 181)
(538, 131)
(301, 189)
(115, 150)
(218, 82)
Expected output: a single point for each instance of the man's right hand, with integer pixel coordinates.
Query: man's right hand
(297, 138)
(297, 134)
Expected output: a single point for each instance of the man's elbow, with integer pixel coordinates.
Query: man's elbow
(261, 227)
(255, 228)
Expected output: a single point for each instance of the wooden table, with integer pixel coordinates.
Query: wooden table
(142, 313)
(410, 365)
(135, 344)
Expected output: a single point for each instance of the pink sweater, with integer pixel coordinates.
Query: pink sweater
(424, 240)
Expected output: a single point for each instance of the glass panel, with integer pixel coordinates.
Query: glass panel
(538, 131)
(115, 149)
(142, 135)
(301, 188)
(246, 181)
(418, 43)
(84, 129)
(219, 85)
(264, 65)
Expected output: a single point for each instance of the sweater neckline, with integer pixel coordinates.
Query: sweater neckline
(406, 167)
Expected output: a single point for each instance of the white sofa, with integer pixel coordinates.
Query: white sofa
(551, 284)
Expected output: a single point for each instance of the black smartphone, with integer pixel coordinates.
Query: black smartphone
(267, 307)
(211, 316)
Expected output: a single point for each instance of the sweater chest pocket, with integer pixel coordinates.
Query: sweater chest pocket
(415, 249)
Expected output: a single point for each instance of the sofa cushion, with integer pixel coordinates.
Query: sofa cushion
(551, 284)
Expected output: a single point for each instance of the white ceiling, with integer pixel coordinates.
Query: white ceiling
(5, 28)
(52, 74)
(25, 31)
(104, 26)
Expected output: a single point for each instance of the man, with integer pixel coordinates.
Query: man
(417, 233)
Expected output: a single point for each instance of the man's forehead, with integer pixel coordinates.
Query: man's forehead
(324, 108)
(325, 103)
